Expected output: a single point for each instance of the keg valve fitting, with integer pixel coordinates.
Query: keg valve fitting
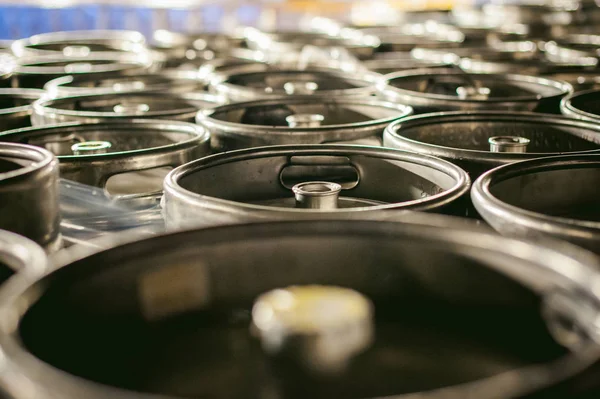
(320, 328)
(304, 120)
(508, 144)
(90, 147)
(317, 195)
(300, 87)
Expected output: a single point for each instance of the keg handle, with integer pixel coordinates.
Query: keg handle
(508, 144)
(304, 120)
(317, 195)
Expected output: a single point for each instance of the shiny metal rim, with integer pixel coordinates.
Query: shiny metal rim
(484, 199)
(21, 254)
(567, 108)
(28, 94)
(463, 182)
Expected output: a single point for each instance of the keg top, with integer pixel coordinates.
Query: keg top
(263, 179)
(268, 115)
(295, 82)
(79, 43)
(183, 301)
(122, 138)
(466, 135)
(428, 33)
(166, 80)
(446, 84)
(95, 63)
(120, 105)
(531, 195)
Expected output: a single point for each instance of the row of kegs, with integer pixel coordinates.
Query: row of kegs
(286, 167)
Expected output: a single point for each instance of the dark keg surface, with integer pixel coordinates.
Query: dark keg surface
(428, 334)
(544, 192)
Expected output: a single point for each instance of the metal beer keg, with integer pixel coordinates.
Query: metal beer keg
(428, 90)
(305, 309)
(29, 194)
(116, 106)
(299, 120)
(300, 181)
(481, 140)
(554, 196)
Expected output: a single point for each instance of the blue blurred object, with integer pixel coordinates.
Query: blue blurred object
(17, 21)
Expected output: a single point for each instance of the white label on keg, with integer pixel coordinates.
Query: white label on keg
(174, 290)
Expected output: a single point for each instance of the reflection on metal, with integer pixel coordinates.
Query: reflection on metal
(90, 147)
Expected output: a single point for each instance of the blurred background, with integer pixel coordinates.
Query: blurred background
(20, 19)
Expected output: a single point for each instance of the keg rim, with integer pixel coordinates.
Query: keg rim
(484, 200)
(568, 109)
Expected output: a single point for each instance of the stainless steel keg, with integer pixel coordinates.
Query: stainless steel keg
(244, 85)
(35, 72)
(167, 81)
(299, 181)
(580, 80)
(95, 153)
(80, 44)
(385, 63)
(305, 309)
(118, 106)
(556, 196)
(357, 42)
(177, 44)
(449, 89)
(480, 140)
(430, 34)
(20, 256)
(573, 47)
(7, 66)
(299, 120)
(29, 193)
(582, 105)
(15, 107)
